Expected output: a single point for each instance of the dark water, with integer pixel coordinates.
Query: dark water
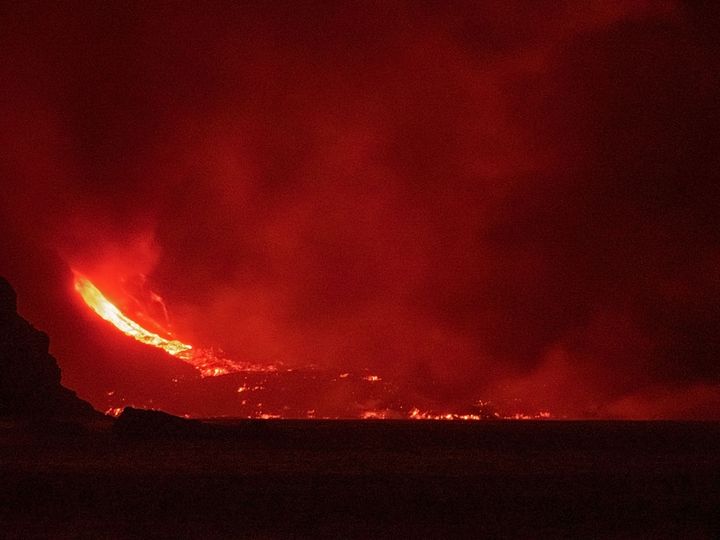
(368, 479)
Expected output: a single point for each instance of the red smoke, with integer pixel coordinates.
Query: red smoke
(502, 201)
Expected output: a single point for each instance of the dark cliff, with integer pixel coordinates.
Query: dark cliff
(29, 376)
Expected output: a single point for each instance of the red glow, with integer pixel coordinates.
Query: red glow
(411, 205)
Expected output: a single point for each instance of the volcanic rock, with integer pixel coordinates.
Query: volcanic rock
(29, 376)
(143, 423)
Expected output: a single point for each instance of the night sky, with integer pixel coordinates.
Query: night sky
(509, 201)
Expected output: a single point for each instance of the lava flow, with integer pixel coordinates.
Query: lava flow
(210, 363)
(108, 311)
(207, 361)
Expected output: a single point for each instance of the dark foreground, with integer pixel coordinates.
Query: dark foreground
(277, 479)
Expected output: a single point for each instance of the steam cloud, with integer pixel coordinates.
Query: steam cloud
(507, 200)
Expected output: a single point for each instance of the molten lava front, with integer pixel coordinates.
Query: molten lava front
(208, 362)
(96, 300)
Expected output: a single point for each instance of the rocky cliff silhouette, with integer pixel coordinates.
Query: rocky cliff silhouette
(29, 376)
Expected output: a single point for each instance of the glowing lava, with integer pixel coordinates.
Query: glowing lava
(207, 361)
(92, 296)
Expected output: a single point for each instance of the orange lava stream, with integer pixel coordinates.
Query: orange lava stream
(92, 296)
(209, 362)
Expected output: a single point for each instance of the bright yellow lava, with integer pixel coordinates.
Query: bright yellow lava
(92, 296)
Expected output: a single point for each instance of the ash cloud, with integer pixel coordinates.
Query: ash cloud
(501, 201)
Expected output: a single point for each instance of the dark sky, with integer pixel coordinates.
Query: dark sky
(475, 200)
